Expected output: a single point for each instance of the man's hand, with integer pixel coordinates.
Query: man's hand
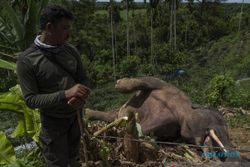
(77, 95)
(76, 103)
(78, 91)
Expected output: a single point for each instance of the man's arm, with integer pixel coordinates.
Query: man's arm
(30, 90)
(81, 78)
(81, 74)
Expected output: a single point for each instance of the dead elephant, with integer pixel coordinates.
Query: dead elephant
(168, 113)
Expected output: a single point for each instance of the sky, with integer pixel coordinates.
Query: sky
(228, 1)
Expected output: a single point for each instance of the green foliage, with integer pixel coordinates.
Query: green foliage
(19, 25)
(104, 153)
(7, 65)
(100, 74)
(218, 88)
(18, 163)
(239, 97)
(30, 158)
(238, 120)
(29, 122)
(167, 59)
(100, 71)
(106, 98)
(8, 156)
(14, 18)
(25, 26)
(7, 153)
(129, 66)
(8, 80)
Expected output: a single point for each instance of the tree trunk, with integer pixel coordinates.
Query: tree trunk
(134, 36)
(151, 37)
(186, 34)
(127, 24)
(116, 55)
(241, 13)
(171, 23)
(174, 24)
(113, 45)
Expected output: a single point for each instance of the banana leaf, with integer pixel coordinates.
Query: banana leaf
(7, 153)
(18, 26)
(29, 120)
(30, 22)
(7, 65)
(20, 129)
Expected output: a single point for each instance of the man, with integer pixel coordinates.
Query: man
(53, 79)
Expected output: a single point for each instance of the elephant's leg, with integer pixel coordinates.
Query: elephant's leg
(101, 115)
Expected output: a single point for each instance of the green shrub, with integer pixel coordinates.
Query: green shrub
(218, 88)
(223, 91)
(239, 97)
(129, 66)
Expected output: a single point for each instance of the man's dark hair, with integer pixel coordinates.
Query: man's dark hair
(53, 14)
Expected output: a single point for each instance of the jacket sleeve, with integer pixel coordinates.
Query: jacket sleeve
(32, 97)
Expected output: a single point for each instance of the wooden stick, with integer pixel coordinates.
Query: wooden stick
(84, 144)
(112, 124)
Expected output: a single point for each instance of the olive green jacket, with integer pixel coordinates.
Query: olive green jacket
(45, 74)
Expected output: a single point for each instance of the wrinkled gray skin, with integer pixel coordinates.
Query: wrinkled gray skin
(167, 112)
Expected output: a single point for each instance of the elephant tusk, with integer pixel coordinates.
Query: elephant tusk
(214, 136)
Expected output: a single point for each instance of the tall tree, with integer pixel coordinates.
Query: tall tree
(172, 26)
(153, 8)
(241, 13)
(133, 6)
(127, 26)
(111, 9)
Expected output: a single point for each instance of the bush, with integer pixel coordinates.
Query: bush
(129, 66)
(218, 89)
(239, 97)
(223, 91)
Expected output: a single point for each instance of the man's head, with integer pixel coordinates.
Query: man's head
(55, 24)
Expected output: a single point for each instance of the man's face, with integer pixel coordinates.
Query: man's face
(60, 31)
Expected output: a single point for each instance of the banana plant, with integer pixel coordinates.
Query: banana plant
(18, 28)
(28, 124)
(7, 65)
(7, 153)
(29, 120)
(8, 156)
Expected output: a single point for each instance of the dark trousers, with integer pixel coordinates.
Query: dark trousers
(60, 139)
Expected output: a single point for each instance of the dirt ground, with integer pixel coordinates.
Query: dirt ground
(240, 138)
(163, 155)
(154, 154)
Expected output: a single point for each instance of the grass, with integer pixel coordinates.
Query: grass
(239, 121)
(106, 98)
